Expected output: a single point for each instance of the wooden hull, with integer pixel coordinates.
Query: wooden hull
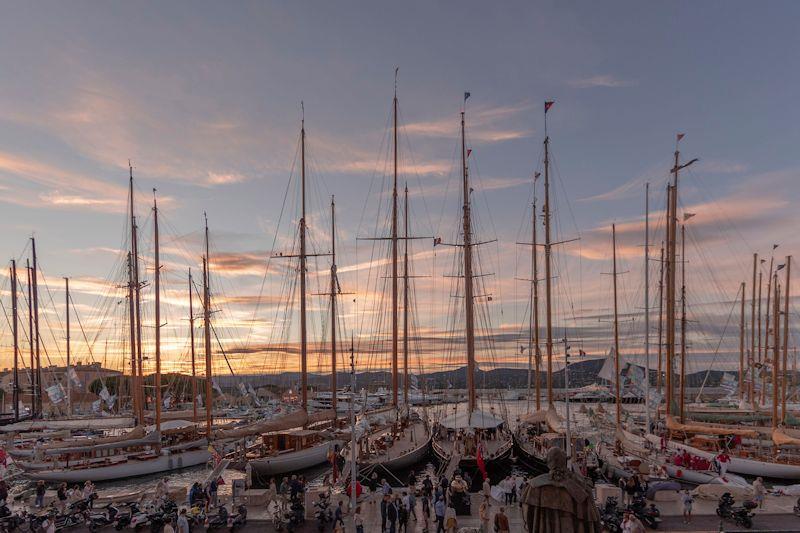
(293, 461)
(402, 462)
(529, 456)
(130, 468)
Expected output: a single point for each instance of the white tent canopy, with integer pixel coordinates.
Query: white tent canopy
(474, 420)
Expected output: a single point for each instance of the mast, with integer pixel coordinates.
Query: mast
(137, 297)
(303, 332)
(395, 304)
(157, 287)
(15, 331)
(616, 328)
(535, 352)
(353, 443)
(547, 260)
(333, 307)
(191, 342)
(647, 305)
(760, 358)
(405, 300)
(751, 357)
(30, 339)
(207, 332)
(132, 314)
(69, 379)
(785, 335)
(468, 297)
(741, 345)
(776, 354)
(660, 317)
(683, 323)
(35, 280)
(768, 312)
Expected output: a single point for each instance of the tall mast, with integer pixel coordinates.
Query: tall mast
(616, 328)
(776, 352)
(207, 333)
(768, 311)
(405, 299)
(69, 379)
(647, 305)
(535, 350)
(395, 371)
(137, 297)
(760, 358)
(35, 280)
(157, 287)
(30, 339)
(741, 345)
(15, 331)
(192, 350)
(660, 317)
(751, 357)
(785, 335)
(683, 323)
(547, 267)
(303, 332)
(468, 297)
(333, 307)
(132, 315)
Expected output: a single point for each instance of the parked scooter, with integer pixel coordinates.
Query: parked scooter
(742, 515)
(650, 516)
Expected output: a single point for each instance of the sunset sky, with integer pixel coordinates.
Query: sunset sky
(205, 99)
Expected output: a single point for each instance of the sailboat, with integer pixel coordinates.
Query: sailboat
(474, 436)
(311, 441)
(137, 452)
(406, 440)
(540, 430)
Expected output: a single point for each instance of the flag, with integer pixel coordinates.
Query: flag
(466, 95)
(536, 175)
(437, 240)
(73, 376)
(481, 463)
(680, 136)
(774, 246)
(780, 267)
(56, 393)
(687, 216)
(167, 401)
(547, 106)
(469, 152)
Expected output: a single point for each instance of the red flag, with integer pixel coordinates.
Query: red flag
(481, 464)
(469, 151)
(547, 106)
(680, 136)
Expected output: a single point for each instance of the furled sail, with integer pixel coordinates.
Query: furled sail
(674, 425)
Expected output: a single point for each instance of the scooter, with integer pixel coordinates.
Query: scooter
(649, 516)
(100, 518)
(218, 520)
(239, 518)
(611, 516)
(741, 515)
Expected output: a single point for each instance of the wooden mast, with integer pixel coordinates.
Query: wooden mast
(395, 371)
(785, 336)
(139, 373)
(741, 345)
(751, 357)
(157, 287)
(134, 382)
(207, 334)
(536, 352)
(192, 350)
(69, 378)
(303, 331)
(15, 332)
(760, 354)
(30, 338)
(767, 318)
(660, 319)
(405, 299)
(468, 296)
(616, 329)
(547, 266)
(35, 281)
(683, 324)
(647, 305)
(776, 353)
(334, 399)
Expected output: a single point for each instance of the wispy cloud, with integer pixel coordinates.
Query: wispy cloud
(487, 124)
(600, 80)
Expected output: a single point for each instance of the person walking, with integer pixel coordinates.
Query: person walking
(759, 491)
(40, 492)
(412, 504)
(392, 515)
(384, 512)
(501, 524)
(687, 501)
(487, 488)
(439, 509)
(61, 494)
(183, 522)
(484, 511)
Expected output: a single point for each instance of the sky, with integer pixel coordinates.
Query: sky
(204, 99)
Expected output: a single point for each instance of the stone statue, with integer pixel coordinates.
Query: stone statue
(559, 501)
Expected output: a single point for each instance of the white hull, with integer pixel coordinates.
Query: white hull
(110, 422)
(130, 468)
(738, 465)
(292, 461)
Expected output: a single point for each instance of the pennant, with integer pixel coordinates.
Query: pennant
(466, 95)
(469, 152)
(780, 267)
(774, 246)
(687, 216)
(73, 376)
(547, 106)
(680, 136)
(536, 175)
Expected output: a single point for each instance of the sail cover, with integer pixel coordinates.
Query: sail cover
(782, 439)
(474, 420)
(674, 425)
(291, 420)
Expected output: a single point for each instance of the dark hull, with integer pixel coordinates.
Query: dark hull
(528, 457)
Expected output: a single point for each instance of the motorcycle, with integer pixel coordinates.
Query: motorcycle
(219, 520)
(323, 513)
(742, 515)
(98, 519)
(239, 518)
(649, 516)
(611, 516)
(10, 521)
(123, 518)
